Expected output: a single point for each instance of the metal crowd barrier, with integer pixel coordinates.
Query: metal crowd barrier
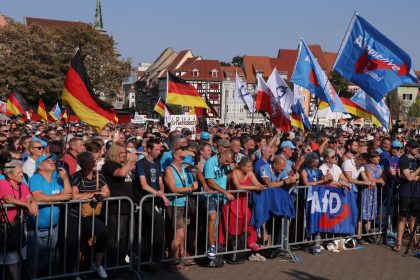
(119, 227)
(298, 234)
(196, 241)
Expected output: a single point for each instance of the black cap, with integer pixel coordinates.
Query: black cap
(412, 144)
(188, 132)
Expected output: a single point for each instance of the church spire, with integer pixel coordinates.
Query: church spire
(98, 16)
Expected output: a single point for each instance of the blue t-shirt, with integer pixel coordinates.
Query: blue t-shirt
(181, 181)
(38, 183)
(288, 168)
(273, 176)
(166, 160)
(213, 170)
(257, 167)
(384, 160)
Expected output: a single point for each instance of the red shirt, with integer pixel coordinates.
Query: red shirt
(7, 189)
(71, 162)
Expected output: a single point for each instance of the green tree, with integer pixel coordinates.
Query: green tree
(338, 82)
(224, 63)
(176, 109)
(237, 60)
(35, 60)
(414, 110)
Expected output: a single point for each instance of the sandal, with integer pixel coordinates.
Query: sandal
(397, 248)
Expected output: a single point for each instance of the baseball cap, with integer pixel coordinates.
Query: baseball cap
(188, 160)
(205, 135)
(224, 143)
(285, 144)
(412, 144)
(396, 144)
(188, 132)
(44, 158)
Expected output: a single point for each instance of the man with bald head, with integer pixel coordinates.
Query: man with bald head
(273, 176)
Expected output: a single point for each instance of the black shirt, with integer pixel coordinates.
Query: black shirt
(118, 186)
(152, 173)
(409, 188)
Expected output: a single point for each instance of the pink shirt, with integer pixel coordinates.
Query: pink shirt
(7, 189)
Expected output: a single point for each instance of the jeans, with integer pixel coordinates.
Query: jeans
(41, 248)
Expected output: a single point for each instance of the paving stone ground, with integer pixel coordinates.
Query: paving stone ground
(371, 262)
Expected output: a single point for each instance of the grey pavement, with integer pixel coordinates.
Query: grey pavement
(371, 262)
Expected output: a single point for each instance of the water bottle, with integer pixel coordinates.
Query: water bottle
(317, 247)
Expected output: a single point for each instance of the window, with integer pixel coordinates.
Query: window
(303, 98)
(214, 73)
(195, 72)
(214, 86)
(213, 96)
(199, 86)
(227, 108)
(407, 96)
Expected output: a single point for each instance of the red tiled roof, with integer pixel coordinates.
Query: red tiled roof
(51, 23)
(330, 58)
(177, 60)
(204, 67)
(229, 71)
(253, 64)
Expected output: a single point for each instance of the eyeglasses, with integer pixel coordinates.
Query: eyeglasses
(39, 148)
(18, 158)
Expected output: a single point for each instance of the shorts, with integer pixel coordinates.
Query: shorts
(409, 205)
(177, 213)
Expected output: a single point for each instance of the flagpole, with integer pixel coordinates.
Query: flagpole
(345, 37)
(253, 112)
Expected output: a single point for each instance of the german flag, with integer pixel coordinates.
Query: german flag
(182, 93)
(16, 105)
(41, 110)
(160, 107)
(79, 95)
(354, 109)
(299, 118)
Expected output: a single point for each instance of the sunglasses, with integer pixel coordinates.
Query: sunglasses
(18, 158)
(39, 148)
(3, 141)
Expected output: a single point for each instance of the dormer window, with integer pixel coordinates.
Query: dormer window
(195, 72)
(214, 73)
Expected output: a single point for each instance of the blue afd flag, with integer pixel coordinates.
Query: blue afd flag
(372, 61)
(332, 210)
(310, 75)
(378, 109)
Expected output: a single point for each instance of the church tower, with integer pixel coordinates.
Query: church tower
(98, 16)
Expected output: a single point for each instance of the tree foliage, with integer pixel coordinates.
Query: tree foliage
(414, 110)
(338, 82)
(237, 60)
(34, 60)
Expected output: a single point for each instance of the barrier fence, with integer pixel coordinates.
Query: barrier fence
(71, 251)
(152, 233)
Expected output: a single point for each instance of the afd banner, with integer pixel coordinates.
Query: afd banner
(332, 210)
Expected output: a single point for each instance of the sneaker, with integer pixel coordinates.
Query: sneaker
(211, 252)
(260, 258)
(361, 241)
(253, 258)
(101, 271)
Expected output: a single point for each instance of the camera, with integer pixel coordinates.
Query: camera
(5, 157)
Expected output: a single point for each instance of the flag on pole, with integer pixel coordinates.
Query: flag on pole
(16, 105)
(309, 74)
(78, 93)
(162, 109)
(180, 92)
(281, 91)
(372, 61)
(378, 109)
(299, 118)
(354, 109)
(65, 115)
(41, 110)
(56, 112)
(242, 94)
(275, 111)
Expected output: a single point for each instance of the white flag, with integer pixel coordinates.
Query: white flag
(282, 92)
(242, 95)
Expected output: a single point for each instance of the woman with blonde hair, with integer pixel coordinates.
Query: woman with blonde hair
(117, 170)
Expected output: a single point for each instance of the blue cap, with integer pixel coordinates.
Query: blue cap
(285, 144)
(188, 160)
(396, 144)
(43, 143)
(205, 135)
(42, 159)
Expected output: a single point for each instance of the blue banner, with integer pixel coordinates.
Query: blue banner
(378, 109)
(332, 210)
(309, 74)
(372, 61)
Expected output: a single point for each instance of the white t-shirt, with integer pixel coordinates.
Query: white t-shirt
(350, 166)
(29, 167)
(335, 171)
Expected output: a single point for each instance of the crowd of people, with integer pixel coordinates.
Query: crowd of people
(52, 163)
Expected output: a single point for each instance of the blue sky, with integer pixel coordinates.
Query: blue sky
(221, 29)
